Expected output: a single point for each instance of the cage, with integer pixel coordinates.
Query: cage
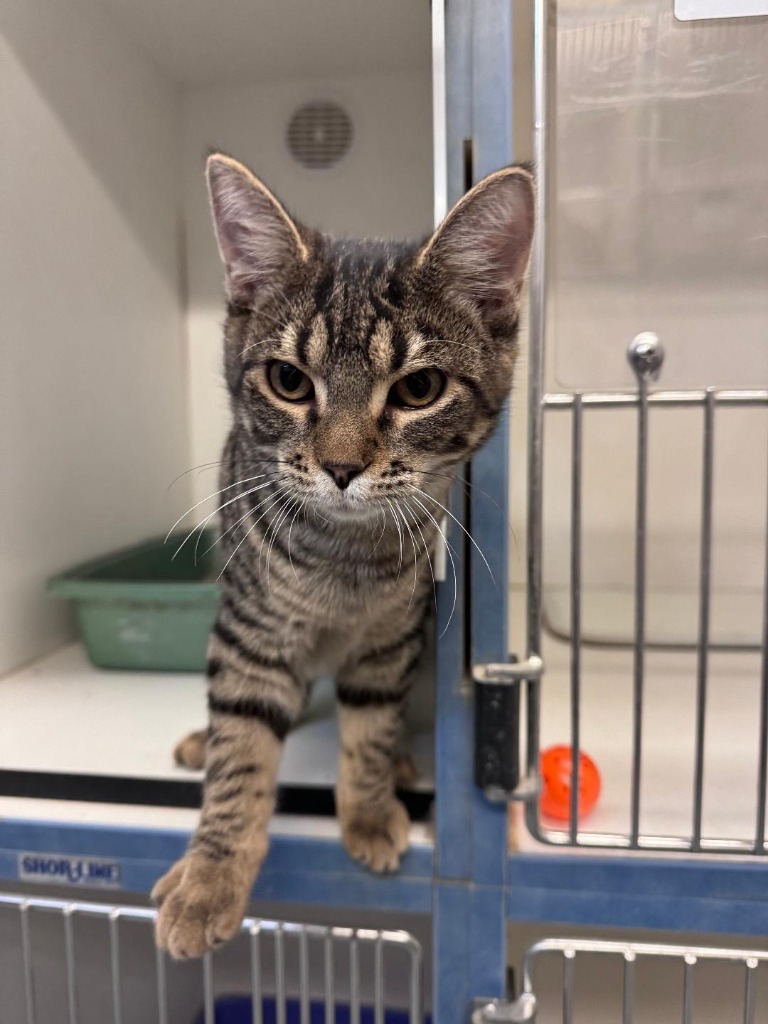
(567, 979)
(112, 108)
(278, 970)
(627, 614)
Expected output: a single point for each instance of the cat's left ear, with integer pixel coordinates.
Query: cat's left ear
(480, 251)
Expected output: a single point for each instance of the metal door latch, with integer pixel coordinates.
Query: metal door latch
(497, 728)
(509, 672)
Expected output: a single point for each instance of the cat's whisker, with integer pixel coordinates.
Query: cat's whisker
(450, 556)
(399, 536)
(201, 526)
(319, 515)
(383, 528)
(290, 531)
(286, 510)
(451, 477)
(417, 524)
(202, 468)
(467, 486)
(415, 556)
(291, 507)
(210, 497)
(247, 534)
(234, 526)
(460, 525)
(283, 500)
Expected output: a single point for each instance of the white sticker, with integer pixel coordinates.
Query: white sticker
(700, 10)
(57, 869)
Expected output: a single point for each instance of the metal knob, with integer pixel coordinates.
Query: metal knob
(646, 355)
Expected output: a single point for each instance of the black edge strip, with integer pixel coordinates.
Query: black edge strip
(113, 789)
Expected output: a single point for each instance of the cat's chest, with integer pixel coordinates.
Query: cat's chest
(363, 590)
(332, 581)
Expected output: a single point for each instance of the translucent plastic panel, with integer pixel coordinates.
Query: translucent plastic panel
(658, 146)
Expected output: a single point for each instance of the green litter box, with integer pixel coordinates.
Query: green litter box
(141, 608)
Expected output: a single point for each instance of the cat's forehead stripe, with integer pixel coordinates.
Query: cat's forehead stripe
(287, 341)
(380, 348)
(316, 347)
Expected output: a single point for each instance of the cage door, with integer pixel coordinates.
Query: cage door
(648, 426)
(563, 979)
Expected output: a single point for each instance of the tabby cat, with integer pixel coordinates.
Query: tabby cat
(360, 374)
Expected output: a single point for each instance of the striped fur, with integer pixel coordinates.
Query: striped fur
(331, 506)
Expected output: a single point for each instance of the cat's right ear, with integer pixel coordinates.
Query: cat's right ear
(258, 241)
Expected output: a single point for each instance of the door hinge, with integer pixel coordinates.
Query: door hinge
(497, 729)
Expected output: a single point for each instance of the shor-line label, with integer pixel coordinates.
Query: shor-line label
(58, 869)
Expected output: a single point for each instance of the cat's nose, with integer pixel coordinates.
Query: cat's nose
(343, 473)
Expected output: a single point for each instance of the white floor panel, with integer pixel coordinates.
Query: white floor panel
(61, 714)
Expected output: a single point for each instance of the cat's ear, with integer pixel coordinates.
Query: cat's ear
(258, 241)
(480, 251)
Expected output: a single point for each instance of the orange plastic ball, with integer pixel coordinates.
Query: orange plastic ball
(556, 770)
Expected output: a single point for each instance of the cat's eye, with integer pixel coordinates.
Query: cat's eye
(417, 389)
(289, 382)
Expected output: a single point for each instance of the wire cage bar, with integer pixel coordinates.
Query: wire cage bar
(627, 956)
(305, 972)
(644, 402)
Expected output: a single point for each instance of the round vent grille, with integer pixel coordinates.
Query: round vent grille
(319, 134)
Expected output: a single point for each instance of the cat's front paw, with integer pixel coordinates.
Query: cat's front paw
(376, 836)
(201, 905)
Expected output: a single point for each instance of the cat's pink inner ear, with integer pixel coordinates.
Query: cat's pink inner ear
(482, 248)
(258, 241)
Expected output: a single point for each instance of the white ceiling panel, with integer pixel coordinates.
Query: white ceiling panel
(208, 42)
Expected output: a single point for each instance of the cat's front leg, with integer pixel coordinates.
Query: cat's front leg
(372, 697)
(203, 898)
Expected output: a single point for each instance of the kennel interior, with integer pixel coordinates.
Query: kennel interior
(110, 111)
(111, 312)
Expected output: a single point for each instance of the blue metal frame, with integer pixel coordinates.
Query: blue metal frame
(471, 843)
(466, 881)
(298, 869)
(691, 895)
